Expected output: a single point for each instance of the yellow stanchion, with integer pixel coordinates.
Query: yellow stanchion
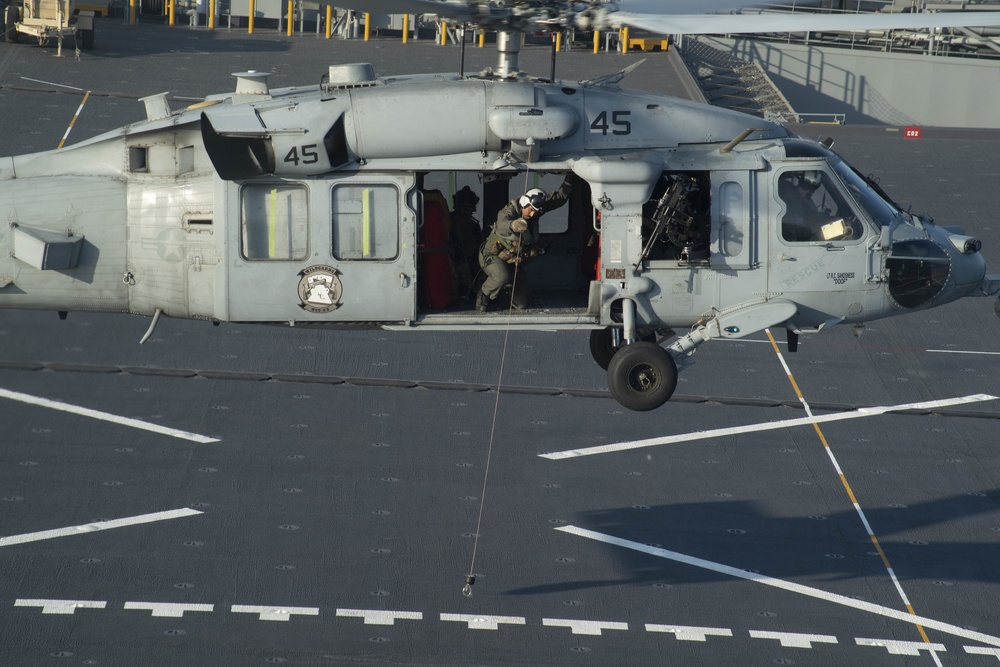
(558, 42)
(368, 26)
(171, 12)
(211, 15)
(482, 38)
(597, 42)
(131, 12)
(444, 33)
(329, 20)
(624, 40)
(252, 10)
(406, 28)
(291, 17)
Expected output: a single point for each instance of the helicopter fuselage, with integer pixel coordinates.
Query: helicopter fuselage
(315, 205)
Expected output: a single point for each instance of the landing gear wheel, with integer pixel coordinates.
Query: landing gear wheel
(10, 24)
(603, 347)
(642, 376)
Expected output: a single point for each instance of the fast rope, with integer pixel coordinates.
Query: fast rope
(470, 578)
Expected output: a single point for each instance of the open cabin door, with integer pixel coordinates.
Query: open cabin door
(323, 250)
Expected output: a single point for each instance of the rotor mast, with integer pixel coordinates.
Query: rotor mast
(508, 51)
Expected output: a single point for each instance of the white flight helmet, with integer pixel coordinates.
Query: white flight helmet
(535, 198)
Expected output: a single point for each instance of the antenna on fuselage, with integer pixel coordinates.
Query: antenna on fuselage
(461, 61)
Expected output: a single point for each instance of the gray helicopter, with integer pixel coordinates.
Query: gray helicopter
(321, 205)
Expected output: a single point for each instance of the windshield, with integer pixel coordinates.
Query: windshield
(881, 211)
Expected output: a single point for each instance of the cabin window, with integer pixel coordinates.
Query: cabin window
(274, 222)
(732, 219)
(138, 159)
(185, 160)
(365, 222)
(815, 211)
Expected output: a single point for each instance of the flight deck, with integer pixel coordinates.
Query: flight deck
(255, 495)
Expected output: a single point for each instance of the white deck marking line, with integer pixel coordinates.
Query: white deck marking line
(793, 639)
(104, 416)
(50, 83)
(266, 613)
(896, 647)
(790, 586)
(579, 627)
(97, 526)
(61, 606)
(481, 622)
(379, 617)
(765, 426)
(689, 633)
(962, 352)
(169, 609)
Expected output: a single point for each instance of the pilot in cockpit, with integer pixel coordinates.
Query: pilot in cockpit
(802, 216)
(814, 210)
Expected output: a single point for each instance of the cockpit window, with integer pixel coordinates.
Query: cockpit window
(815, 210)
(881, 212)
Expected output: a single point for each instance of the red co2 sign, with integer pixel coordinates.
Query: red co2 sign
(911, 132)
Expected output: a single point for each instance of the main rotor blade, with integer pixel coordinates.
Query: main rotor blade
(659, 7)
(457, 10)
(699, 24)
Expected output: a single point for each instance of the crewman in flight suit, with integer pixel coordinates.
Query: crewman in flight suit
(514, 241)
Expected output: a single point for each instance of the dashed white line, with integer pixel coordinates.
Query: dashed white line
(378, 617)
(104, 416)
(266, 613)
(168, 609)
(485, 622)
(61, 606)
(689, 633)
(896, 614)
(584, 627)
(97, 526)
(794, 639)
(896, 647)
(766, 426)
(479, 622)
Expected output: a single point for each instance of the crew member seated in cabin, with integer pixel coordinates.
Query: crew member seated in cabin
(466, 237)
(513, 241)
(814, 209)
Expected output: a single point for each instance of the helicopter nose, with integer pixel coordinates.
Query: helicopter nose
(924, 273)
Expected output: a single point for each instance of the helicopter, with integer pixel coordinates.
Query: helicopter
(320, 205)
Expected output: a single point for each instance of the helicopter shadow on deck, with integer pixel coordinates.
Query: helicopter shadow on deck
(741, 534)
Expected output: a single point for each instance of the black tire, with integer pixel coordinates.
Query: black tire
(603, 348)
(10, 17)
(642, 376)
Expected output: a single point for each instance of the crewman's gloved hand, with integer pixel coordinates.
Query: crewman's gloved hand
(519, 226)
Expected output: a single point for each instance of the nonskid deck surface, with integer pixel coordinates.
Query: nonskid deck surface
(202, 500)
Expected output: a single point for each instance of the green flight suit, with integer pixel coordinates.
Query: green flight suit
(504, 249)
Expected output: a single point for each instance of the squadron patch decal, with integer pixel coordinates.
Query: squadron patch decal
(320, 289)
